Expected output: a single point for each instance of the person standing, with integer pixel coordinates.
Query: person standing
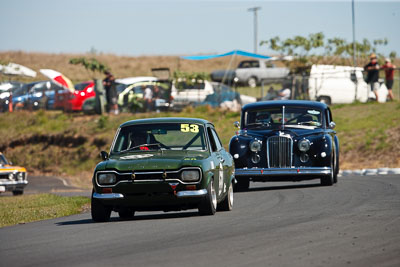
(372, 69)
(148, 97)
(111, 93)
(389, 76)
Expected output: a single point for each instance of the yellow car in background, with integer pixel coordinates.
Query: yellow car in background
(12, 178)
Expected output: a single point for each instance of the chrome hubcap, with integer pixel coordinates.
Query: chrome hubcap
(231, 195)
(213, 196)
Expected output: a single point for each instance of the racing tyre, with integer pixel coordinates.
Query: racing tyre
(208, 205)
(100, 213)
(336, 169)
(17, 192)
(329, 179)
(242, 185)
(227, 203)
(126, 214)
(252, 82)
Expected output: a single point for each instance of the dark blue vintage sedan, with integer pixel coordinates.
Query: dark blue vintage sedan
(285, 141)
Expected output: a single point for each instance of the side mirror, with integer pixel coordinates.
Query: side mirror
(236, 124)
(332, 125)
(104, 155)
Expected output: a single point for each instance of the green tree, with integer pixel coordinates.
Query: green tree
(90, 64)
(316, 49)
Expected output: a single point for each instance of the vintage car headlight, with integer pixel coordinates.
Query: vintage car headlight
(255, 158)
(11, 176)
(304, 145)
(20, 176)
(190, 175)
(106, 178)
(255, 145)
(304, 157)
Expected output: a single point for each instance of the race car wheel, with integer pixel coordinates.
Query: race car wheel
(208, 205)
(227, 203)
(242, 184)
(126, 214)
(336, 167)
(328, 180)
(17, 192)
(252, 82)
(100, 213)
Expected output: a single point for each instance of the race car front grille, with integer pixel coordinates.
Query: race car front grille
(4, 176)
(279, 152)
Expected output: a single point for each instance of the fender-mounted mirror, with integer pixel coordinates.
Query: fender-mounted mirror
(104, 155)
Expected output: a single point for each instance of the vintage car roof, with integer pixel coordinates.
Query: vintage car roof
(165, 120)
(279, 103)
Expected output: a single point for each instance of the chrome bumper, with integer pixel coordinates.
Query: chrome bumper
(9, 185)
(108, 196)
(283, 171)
(192, 193)
(179, 194)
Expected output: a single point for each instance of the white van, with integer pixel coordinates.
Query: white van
(333, 85)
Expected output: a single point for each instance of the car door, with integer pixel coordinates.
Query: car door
(216, 159)
(223, 167)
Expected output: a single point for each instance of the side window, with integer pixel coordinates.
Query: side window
(216, 139)
(328, 117)
(255, 64)
(269, 65)
(212, 140)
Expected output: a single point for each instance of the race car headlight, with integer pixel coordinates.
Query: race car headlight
(304, 145)
(11, 176)
(20, 176)
(255, 145)
(190, 175)
(106, 178)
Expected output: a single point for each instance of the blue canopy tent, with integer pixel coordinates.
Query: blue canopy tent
(231, 53)
(234, 52)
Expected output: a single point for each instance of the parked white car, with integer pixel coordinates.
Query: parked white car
(202, 93)
(183, 95)
(123, 83)
(333, 85)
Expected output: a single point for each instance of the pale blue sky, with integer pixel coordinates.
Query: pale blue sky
(133, 27)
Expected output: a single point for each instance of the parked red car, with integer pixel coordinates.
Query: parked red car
(73, 101)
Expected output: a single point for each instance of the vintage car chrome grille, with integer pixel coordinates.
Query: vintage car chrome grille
(279, 152)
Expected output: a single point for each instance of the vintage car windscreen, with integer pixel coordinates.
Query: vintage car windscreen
(160, 136)
(269, 118)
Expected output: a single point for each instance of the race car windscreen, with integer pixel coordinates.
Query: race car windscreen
(272, 117)
(160, 136)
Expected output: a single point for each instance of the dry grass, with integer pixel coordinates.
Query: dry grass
(121, 66)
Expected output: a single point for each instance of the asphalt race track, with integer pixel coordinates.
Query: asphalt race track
(353, 223)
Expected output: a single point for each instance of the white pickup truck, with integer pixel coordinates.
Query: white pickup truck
(251, 72)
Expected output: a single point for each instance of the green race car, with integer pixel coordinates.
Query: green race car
(163, 164)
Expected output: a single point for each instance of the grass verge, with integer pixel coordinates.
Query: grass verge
(30, 208)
